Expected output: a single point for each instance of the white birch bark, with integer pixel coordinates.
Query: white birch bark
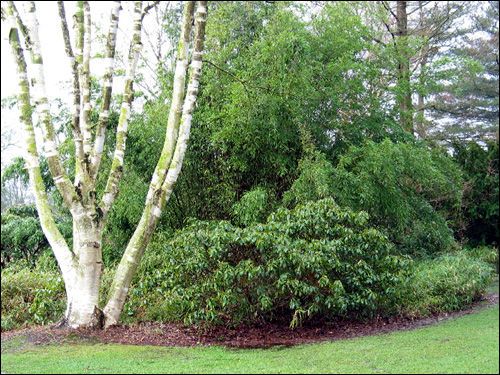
(111, 190)
(156, 198)
(85, 81)
(107, 86)
(65, 258)
(82, 266)
(77, 133)
(83, 300)
(81, 170)
(57, 170)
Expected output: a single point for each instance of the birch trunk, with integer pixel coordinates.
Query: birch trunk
(170, 162)
(64, 256)
(81, 265)
(83, 290)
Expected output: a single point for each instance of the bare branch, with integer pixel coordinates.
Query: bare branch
(148, 8)
(107, 87)
(57, 170)
(116, 171)
(424, 3)
(77, 134)
(61, 250)
(388, 8)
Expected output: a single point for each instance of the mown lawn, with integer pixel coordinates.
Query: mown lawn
(468, 344)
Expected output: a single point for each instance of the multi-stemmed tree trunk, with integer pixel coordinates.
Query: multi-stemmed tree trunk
(81, 263)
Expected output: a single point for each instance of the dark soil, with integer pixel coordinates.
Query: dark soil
(262, 336)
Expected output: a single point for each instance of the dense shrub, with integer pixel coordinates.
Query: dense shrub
(480, 204)
(253, 207)
(31, 297)
(235, 275)
(22, 236)
(446, 283)
(486, 254)
(409, 192)
(317, 260)
(314, 181)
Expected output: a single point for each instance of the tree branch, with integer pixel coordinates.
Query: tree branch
(107, 88)
(22, 26)
(85, 81)
(148, 8)
(57, 170)
(61, 250)
(152, 211)
(111, 190)
(388, 8)
(77, 134)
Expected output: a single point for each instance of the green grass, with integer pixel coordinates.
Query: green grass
(468, 344)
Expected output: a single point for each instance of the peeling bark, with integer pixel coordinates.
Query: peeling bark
(81, 266)
(177, 132)
(107, 86)
(111, 190)
(65, 258)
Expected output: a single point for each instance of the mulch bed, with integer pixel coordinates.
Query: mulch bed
(262, 336)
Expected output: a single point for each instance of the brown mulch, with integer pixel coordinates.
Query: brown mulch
(262, 336)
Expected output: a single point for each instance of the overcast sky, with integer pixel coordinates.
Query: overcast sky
(56, 64)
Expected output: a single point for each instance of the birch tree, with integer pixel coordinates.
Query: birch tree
(81, 262)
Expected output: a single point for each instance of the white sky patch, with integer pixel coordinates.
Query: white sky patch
(57, 67)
